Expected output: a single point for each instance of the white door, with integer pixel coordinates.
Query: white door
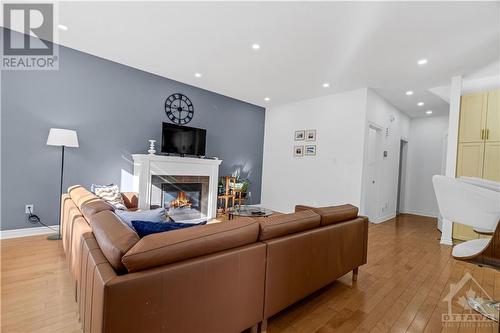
(372, 172)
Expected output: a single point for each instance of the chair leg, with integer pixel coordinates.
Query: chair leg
(355, 274)
(263, 326)
(254, 328)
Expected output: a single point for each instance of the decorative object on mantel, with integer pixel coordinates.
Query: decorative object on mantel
(311, 135)
(152, 149)
(298, 151)
(310, 150)
(62, 138)
(179, 109)
(300, 135)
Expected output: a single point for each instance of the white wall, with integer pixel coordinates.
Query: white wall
(425, 159)
(395, 126)
(331, 177)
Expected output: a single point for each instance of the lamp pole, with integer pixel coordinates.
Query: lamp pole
(58, 235)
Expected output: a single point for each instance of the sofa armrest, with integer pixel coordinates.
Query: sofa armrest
(131, 200)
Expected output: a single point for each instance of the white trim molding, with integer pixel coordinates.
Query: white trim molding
(26, 232)
(146, 166)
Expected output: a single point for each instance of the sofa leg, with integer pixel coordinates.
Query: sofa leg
(263, 326)
(355, 274)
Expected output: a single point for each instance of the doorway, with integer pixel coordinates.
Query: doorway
(403, 153)
(373, 162)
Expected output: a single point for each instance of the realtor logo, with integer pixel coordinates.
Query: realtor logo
(27, 37)
(460, 312)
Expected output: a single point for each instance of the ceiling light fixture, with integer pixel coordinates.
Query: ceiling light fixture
(197, 74)
(267, 99)
(326, 85)
(422, 62)
(420, 104)
(409, 93)
(255, 46)
(428, 111)
(62, 27)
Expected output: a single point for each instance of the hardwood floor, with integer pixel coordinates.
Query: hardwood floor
(401, 289)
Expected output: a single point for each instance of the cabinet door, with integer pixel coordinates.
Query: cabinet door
(491, 169)
(472, 117)
(463, 232)
(493, 116)
(470, 159)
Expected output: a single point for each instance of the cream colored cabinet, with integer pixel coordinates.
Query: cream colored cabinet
(472, 118)
(478, 144)
(470, 159)
(491, 169)
(493, 117)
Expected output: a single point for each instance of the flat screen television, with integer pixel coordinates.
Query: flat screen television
(183, 140)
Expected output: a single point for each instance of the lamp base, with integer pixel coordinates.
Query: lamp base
(54, 237)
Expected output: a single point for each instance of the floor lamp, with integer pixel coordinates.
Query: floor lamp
(62, 138)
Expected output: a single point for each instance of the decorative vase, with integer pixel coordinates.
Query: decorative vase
(152, 150)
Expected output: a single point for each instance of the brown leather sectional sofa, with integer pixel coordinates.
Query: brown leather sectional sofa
(220, 277)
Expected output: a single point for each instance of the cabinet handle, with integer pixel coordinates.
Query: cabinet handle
(482, 134)
(487, 134)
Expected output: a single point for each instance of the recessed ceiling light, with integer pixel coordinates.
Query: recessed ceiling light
(409, 93)
(422, 62)
(326, 85)
(428, 111)
(420, 104)
(255, 46)
(62, 27)
(267, 99)
(197, 74)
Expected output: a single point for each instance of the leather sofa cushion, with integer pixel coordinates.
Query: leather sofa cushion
(285, 224)
(114, 237)
(81, 196)
(172, 246)
(332, 214)
(94, 207)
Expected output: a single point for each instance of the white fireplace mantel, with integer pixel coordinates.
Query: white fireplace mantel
(146, 166)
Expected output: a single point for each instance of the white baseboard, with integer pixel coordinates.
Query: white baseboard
(25, 232)
(384, 218)
(421, 213)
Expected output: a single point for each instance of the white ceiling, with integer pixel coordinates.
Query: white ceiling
(303, 44)
(408, 104)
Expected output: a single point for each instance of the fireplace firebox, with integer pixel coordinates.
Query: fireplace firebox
(181, 195)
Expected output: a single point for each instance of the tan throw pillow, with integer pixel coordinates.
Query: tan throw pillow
(112, 195)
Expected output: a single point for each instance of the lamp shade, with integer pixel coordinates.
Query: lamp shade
(62, 137)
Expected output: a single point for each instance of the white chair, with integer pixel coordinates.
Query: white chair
(472, 202)
(476, 203)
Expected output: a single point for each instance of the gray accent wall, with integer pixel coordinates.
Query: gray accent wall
(115, 109)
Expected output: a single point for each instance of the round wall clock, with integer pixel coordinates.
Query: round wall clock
(179, 109)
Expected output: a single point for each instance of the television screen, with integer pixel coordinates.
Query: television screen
(183, 140)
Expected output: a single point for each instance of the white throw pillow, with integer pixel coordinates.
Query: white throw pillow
(112, 195)
(153, 215)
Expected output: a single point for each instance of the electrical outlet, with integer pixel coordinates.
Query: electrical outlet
(28, 207)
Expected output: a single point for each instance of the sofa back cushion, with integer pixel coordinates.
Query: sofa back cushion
(93, 207)
(80, 195)
(113, 236)
(332, 214)
(285, 224)
(172, 246)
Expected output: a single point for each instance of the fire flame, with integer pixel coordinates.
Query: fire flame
(180, 201)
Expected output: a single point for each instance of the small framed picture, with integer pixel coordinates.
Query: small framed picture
(300, 135)
(310, 150)
(311, 135)
(298, 151)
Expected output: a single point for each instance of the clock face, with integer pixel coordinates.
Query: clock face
(179, 109)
